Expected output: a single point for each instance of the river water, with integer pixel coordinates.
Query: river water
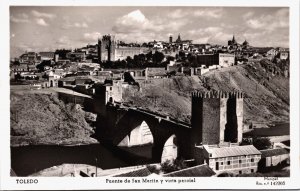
(26, 160)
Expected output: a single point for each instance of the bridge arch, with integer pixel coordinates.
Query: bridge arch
(170, 149)
(140, 135)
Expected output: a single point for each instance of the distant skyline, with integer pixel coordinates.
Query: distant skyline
(48, 28)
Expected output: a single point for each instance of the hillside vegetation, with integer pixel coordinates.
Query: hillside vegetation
(266, 91)
(38, 118)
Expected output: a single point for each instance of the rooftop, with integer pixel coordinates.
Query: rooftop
(135, 173)
(273, 152)
(232, 151)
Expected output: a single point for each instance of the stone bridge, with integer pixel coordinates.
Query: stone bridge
(217, 117)
(126, 126)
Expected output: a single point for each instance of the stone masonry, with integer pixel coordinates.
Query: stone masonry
(217, 117)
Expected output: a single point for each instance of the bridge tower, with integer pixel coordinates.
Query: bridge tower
(217, 117)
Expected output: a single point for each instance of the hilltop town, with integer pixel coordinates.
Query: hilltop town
(173, 65)
(205, 110)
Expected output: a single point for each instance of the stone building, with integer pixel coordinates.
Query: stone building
(155, 72)
(245, 44)
(284, 55)
(111, 91)
(29, 57)
(273, 157)
(76, 56)
(109, 49)
(46, 55)
(232, 42)
(236, 159)
(222, 60)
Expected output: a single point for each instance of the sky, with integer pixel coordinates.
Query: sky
(34, 28)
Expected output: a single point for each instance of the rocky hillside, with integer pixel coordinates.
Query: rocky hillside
(267, 95)
(43, 119)
(267, 92)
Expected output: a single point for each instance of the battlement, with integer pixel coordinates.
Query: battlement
(108, 37)
(218, 94)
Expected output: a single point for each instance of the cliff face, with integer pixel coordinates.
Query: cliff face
(38, 118)
(266, 90)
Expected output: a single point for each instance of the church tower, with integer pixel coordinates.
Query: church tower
(178, 39)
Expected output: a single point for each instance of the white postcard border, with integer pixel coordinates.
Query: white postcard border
(8, 182)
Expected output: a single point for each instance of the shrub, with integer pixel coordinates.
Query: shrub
(171, 166)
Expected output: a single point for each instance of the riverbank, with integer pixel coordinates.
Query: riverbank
(69, 170)
(65, 144)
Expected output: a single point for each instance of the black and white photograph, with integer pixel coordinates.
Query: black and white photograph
(153, 92)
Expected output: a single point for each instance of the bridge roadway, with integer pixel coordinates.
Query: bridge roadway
(153, 114)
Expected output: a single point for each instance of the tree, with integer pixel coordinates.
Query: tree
(260, 143)
(45, 76)
(149, 56)
(181, 55)
(190, 58)
(246, 141)
(158, 57)
(16, 63)
(44, 63)
(128, 78)
(169, 166)
(129, 61)
(18, 76)
(170, 58)
(172, 73)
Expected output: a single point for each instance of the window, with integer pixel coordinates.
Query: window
(240, 172)
(210, 155)
(110, 88)
(240, 161)
(221, 163)
(252, 159)
(252, 170)
(228, 162)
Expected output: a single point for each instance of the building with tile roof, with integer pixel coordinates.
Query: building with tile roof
(273, 157)
(143, 172)
(235, 159)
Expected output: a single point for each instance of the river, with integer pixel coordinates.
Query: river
(26, 160)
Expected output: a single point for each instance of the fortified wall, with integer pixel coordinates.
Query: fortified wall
(217, 117)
